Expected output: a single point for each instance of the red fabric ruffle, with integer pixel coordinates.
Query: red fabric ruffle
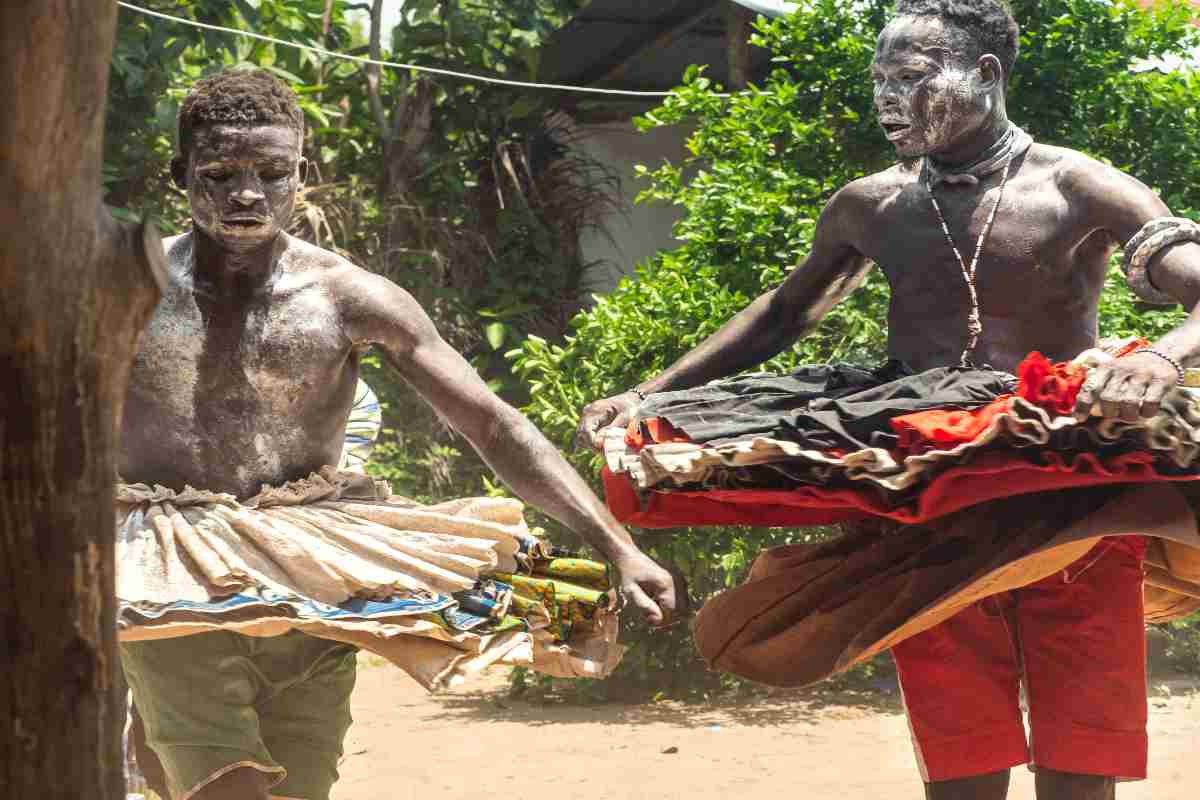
(943, 430)
(1052, 386)
(989, 476)
(1048, 385)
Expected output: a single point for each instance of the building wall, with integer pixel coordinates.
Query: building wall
(637, 231)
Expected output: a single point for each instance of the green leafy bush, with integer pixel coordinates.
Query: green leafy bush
(761, 165)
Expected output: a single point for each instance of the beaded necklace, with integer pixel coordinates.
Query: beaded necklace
(974, 323)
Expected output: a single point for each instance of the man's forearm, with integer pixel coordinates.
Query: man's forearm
(754, 335)
(1183, 342)
(534, 469)
(1177, 273)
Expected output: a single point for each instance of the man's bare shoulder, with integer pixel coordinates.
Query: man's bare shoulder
(341, 276)
(861, 200)
(1098, 188)
(1074, 173)
(1066, 167)
(370, 306)
(304, 256)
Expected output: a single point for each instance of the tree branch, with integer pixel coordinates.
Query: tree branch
(374, 72)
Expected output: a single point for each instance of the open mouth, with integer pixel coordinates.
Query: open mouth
(244, 223)
(895, 130)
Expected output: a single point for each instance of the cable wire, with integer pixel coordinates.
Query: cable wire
(416, 67)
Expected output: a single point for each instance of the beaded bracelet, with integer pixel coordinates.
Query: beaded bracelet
(639, 394)
(1178, 367)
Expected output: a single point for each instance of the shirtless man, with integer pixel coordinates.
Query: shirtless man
(940, 72)
(244, 377)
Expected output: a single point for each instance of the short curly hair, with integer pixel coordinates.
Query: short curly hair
(989, 22)
(237, 96)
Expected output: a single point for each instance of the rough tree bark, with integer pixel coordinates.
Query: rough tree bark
(739, 25)
(75, 289)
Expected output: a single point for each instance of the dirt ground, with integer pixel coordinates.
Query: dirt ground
(407, 745)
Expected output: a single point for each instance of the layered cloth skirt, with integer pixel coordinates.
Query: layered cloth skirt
(442, 591)
(950, 485)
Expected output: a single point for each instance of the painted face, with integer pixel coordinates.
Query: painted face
(926, 86)
(242, 182)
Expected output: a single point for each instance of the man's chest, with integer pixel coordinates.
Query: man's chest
(1022, 246)
(201, 353)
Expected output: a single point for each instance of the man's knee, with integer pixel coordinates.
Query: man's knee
(993, 786)
(244, 783)
(1052, 785)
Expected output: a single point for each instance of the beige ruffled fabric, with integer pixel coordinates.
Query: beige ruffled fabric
(293, 553)
(321, 538)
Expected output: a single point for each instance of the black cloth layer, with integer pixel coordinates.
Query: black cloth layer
(823, 407)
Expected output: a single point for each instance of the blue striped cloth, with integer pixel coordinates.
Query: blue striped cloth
(362, 428)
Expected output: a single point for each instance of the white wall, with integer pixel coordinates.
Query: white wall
(639, 231)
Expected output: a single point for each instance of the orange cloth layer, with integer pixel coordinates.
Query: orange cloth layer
(943, 430)
(654, 430)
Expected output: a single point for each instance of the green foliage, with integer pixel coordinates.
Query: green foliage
(1182, 650)
(762, 163)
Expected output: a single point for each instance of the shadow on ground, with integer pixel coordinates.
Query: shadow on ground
(774, 708)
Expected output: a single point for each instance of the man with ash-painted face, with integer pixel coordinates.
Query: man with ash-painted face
(1039, 223)
(248, 367)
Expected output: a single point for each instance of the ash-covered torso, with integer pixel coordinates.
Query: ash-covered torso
(1039, 276)
(232, 392)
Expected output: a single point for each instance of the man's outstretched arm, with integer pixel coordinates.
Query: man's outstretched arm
(775, 320)
(382, 314)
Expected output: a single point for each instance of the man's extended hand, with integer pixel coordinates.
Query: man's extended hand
(615, 410)
(1127, 387)
(650, 588)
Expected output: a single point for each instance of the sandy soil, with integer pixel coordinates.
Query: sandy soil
(407, 745)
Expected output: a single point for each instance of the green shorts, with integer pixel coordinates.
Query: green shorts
(214, 702)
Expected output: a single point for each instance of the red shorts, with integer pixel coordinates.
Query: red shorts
(1075, 639)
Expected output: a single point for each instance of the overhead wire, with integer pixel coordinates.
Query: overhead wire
(395, 64)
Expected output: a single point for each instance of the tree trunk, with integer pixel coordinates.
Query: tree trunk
(739, 22)
(75, 289)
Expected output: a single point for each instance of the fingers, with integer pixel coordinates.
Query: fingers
(622, 419)
(611, 411)
(650, 610)
(667, 600)
(1122, 395)
(595, 417)
(1122, 398)
(1089, 393)
(1152, 398)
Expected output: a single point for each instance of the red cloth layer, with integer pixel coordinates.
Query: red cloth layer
(1053, 387)
(989, 476)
